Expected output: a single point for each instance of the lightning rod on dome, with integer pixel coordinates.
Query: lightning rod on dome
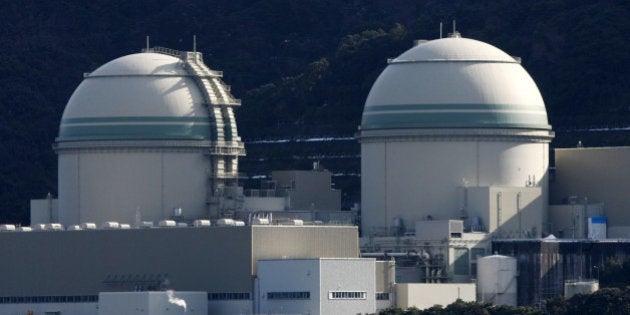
(147, 43)
(440, 30)
(455, 33)
(194, 43)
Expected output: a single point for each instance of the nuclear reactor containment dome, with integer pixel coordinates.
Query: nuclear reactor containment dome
(445, 116)
(454, 83)
(145, 134)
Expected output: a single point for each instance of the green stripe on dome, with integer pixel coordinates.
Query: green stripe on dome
(126, 128)
(454, 116)
(132, 119)
(373, 108)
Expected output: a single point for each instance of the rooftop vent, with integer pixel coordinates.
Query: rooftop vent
(110, 225)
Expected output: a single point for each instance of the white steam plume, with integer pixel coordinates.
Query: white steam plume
(176, 301)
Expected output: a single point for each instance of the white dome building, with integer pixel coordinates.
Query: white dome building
(145, 134)
(454, 128)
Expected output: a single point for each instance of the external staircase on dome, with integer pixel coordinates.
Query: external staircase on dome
(220, 103)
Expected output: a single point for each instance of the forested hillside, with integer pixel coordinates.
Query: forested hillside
(302, 69)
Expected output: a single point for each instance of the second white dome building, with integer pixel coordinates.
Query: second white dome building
(454, 129)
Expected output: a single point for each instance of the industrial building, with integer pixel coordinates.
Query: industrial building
(297, 190)
(454, 128)
(219, 261)
(545, 266)
(161, 122)
(598, 178)
(149, 201)
(455, 166)
(454, 152)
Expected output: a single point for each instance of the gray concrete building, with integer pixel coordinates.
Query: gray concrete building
(221, 261)
(595, 176)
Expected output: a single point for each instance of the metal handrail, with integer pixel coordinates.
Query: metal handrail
(164, 50)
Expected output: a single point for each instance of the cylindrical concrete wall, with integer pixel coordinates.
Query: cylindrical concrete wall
(117, 186)
(411, 180)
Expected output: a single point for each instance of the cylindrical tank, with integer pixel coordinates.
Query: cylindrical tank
(496, 280)
(572, 288)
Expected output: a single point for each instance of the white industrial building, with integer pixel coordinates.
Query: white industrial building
(145, 134)
(454, 152)
(317, 286)
(454, 128)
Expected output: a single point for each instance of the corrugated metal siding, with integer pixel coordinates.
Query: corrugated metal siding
(304, 242)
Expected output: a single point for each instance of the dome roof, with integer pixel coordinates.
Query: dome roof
(139, 96)
(454, 83)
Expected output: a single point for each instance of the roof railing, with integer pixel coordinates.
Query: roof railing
(164, 50)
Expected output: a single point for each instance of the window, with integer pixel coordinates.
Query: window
(460, 261)
(228, 296)
(382, 296)
(347, 295)
(48, 299)
(302, 295)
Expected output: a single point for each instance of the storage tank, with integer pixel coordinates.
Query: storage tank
(497, 280)
(574, 287)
